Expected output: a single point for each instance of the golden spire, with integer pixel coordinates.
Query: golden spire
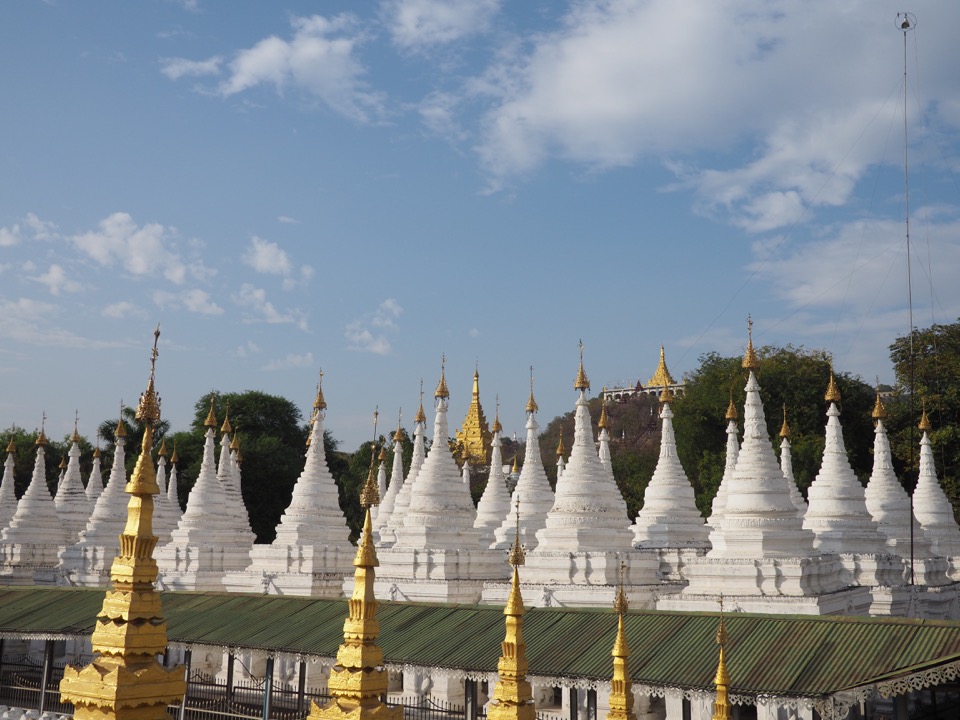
(125, 681)
(121, 431)
(42, 437)
(476, 382)
(319, 402)
(785, 428)
(441, 391)
(226, 429)
(833, 392)
(924, 425)
(666, 395)
(731, 408)
(383, 454)
(63, 463)
(420, 417)
(211, 421)
(879, 409)
(532, 406)
(603, 423)
(497, 427)
(560, 449)
(96, 450)
(174, 459)
(358, 680)
(235, 441)
(750, 359)
(398, 435)
(474, 441)
(162, 452)
(512, 695)
(11, 446)
(661, 376)
(75, 438)
(581, 383)
(621, 690)
(721, 708)
(516, 468)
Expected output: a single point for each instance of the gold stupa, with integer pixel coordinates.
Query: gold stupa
(474, 440)
(621, 689)
(125, 680)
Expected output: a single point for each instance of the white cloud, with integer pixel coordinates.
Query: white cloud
(287, 220)
(31, 226)
(123, 309)
(369, 332)
(262, 310)
(247, 349)
(320, 60)
(290, 361)
(141, 251)
(808, 87)
(9, 236)
(417, 24)
(56, 280)
(33, 322)
(176, 68)
(195, 301)
(267, 257)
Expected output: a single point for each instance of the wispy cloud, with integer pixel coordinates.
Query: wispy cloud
(196, 301)
(416, 25)
(56, 281)
(176, 68)
(290, 361)
(267, 257)
(123, 309)
(34, 323)
(287, 220)
(370, 332)
(320, 59)
(260, 309)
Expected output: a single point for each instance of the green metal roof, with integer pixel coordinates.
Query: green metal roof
(797, 655)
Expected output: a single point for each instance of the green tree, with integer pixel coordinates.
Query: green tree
(789, 376)
(931, 367)
(134, 440)
(272, 440)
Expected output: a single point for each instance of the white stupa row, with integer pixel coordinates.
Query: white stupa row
(761, 549)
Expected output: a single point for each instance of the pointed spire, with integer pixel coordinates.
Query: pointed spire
(75, 438)
(421, 416)
(722, 707)
(661, 376)
(924, 425)
(512, 695)
(879, 409)
(131, 631)
(785, 428)
(319, 403)
(532, 406)
(211, 421)
(95, 481)
(731, 408)
(561, 450)
(621, 689)
(121, 430)
(42, 441)
(8, 498)
(162, 452)
(581, 382)
(750, 359)
(226, 428)
(174, 459)
(358, 680)
(11, 446)
(442, 392)
(497, 427)
(833, 392)
(603, 423)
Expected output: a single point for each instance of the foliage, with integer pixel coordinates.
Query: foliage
(789, 377)
(134, 429)
(932, 369)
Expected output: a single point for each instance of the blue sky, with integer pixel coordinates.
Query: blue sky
(363, 187)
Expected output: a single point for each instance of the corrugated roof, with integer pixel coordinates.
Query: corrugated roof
(805, 656)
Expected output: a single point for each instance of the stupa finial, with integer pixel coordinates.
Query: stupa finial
(731, 408)
(532, 406)
(924, 425)
(211, 421)
(442, 392)
(833, 392)
(226, 428)
(785, 428)
(750, 359)
(581, 382)
(721, 708)
(42, 437)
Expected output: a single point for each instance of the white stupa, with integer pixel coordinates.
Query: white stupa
(604, 450)
(586, 535)
(312, 552)
(29, 545)
(71, 500)
(887, 501)
(381, 481)
(228, 473)
(786, 466)
(836, 510)
(730, 464)
(388, 530)
(87, 561)
(393, 487)
(533, 490)
(930, 504)
(438, 555)
(669, 517)
(8, 496)
(207, 544)
(762, 557)
(173, 487)
(165, 517)
(95, 481)
(561, 463)
(495, 502)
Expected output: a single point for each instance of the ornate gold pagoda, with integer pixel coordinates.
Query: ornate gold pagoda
(474, 440)
(721, 708)
(512, 695)
(661, 376)
(125, 681)
(621, 689)
(358, 680)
